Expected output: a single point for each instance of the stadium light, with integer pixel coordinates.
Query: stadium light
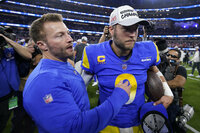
(185, 26)
(2, 1)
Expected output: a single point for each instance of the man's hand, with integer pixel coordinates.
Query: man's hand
(124, 86)
(7, 39)
(104, 35)
(165, 100)
(106, 30)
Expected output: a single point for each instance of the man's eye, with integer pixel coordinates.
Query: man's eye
(60, 35)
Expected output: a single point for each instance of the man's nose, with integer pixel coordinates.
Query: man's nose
(69, 38)
(132, 33)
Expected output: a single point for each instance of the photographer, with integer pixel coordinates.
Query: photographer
(147, 29)
(21, 121)
(176, 76)
(163, 49)
(9, 73)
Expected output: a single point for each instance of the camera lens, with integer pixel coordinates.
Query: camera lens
(2, 42)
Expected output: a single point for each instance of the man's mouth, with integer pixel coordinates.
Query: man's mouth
(70, 47)
(130, 41)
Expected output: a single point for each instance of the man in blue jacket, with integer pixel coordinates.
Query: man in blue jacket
(55, 94)
(9, 74)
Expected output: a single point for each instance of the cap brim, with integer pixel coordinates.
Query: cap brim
(134, 21)
(148, 107)
(152, 117)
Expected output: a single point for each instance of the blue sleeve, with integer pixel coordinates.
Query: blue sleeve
(87, 64)
(95, 120)
(63, 114)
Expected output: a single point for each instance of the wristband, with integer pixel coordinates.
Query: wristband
(167, 90)
(159, 74)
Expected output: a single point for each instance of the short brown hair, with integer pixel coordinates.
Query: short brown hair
(36, 30)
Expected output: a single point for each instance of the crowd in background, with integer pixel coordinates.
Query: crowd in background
(191, 42)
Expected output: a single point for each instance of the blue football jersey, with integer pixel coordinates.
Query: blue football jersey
(101, 61)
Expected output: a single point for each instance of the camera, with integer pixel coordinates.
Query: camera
(186, 115)
(164, 63)
(2, 40)
(37, 51)
(173, 62)
(151, 27)
(6, 31)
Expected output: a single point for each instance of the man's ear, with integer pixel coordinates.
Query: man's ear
(42, 45)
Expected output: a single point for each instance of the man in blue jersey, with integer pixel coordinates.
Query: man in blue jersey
(55, 94)
(122, 58)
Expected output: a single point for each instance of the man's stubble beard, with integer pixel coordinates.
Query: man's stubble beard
(120, 44)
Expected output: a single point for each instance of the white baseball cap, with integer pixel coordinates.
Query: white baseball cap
(84, 38)
(197, 47)
(126, 16)
(79, 40)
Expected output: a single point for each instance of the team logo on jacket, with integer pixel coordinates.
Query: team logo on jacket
(146, 59)
(101, 59)
(48, 98)
(124, 66)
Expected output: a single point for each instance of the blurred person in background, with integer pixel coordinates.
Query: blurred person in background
(186, 59)
(21, 121)
(144, 37)
(10, 79)
(78, 52)
(147, 29)
(163, 49)
(196, 62)
(182, 55)
(76, 43)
